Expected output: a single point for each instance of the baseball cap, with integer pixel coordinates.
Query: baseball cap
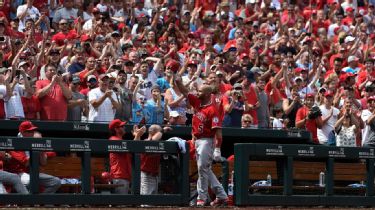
(219, 73)
(225, 4)
(298, 70)
(193, 35)
(26, 126)
(172, 8)
(3, 69)
(256, 70)
(115, 124)
(328, 94)
(103, 76)
(244, 55)
(310, 95)
(22, 63)
(173, 65)
(349, 9)
(192, 62)
(250, 1)
(298, 78)
(352, 58)
(322, 89)
(237, 85)
(85, 38)
(185, 12)
(349, 39)
(174, 114)
(91, 77)
(76, 80)
(115, 34)
(371, 98)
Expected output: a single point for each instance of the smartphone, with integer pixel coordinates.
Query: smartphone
(18, 72)
(2, 38)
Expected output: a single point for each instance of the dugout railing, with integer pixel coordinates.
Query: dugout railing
(285, 155)
(86, 149)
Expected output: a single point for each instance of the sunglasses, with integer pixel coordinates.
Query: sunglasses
(247, 121)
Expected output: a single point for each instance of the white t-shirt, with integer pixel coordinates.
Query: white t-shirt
(365, 115)
(13, 106)
(145, 88)
(329, 125)
(32, 13)
(105, 112)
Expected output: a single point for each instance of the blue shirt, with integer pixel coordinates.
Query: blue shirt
(163, 84)
(75, 68)
(154, 115)
(137, 113)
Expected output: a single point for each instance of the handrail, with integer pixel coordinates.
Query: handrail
(88, 147)
(286, 154)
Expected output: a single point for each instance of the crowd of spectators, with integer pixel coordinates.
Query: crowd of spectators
(271, 63)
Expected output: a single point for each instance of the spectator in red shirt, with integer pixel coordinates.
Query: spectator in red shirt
(64, 34)
(304, 120)
(53, 94)
(31, 104)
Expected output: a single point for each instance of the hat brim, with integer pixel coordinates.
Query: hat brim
(32, 128)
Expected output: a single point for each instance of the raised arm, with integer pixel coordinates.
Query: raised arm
(181, 87)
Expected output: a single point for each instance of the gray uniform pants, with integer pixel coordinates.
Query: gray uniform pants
(149, 184)
(50, 183)
(204, 151)
(124, 189)
(14, 180)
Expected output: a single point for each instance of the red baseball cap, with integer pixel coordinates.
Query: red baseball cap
(162, 39)
(173, 64)
(27, 126)
(349, 9)
(115, 124)
(244, 55)
(298, 70)
(310, 95)
(193, 35)
(371, 98)
(85, 38)
(192, 62)
(328, 94)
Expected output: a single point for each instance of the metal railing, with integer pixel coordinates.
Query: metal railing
(88, 147)
(286, 154)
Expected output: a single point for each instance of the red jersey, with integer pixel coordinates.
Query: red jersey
(54, 104)
(252, 98)
(150, 163)
(31, 106)
(205, 119)
(310, 124)
(60, 37)
(17, 164)
(120, 163)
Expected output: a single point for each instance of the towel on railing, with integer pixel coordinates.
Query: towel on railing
(181, 143)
